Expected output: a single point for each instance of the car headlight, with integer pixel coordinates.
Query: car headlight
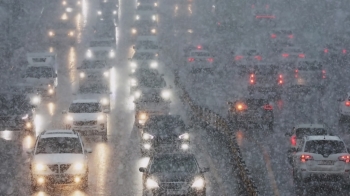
(133, 65)
(133, 31)
(64, 2)
(78, 2)
(89, 53)
(147, 136)
(104, 101)
(155, 4)
(153, 17)
(154, 31)
(51, 91)
(137, 17)
(100, 117)
(71, 33)
(78, 166)
(114, 12)
(165, 94)
(106, 74)
(25, 117)
(82, 75)
(99, 12)
(184, 146)
(64, 17)
(198, 183)
(185, 136)
(143, 116)
(133, 82)
(137, 94)
(111, 54)
(151, 184)
(35, 100)
(154, 65)
(69, 9)
(69, 118)
(39, 167)
(51, 33)
(28, 125)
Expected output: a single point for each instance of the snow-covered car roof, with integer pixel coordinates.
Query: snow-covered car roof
(59, 133)
(323, 137)
(310, 126)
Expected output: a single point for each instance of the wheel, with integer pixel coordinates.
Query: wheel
(104, 136)
(85, 183)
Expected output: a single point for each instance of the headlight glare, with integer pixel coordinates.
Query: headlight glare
(111, 54)
(106, 74)
(133, 65)
(104, 101)
(99, 12)
(40, 167)
(154, 65)
(185, 136)
(100, 117)
(198, 183)
(151, 184)
(69, 118)
(82, 75)
(78, 166)
(165, 94)
(25, 117)
(88, 53)
(147, 136)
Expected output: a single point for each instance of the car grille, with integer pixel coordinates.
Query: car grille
(101, 53)
(85, 123)
(172, 185)
(166, 140)
(56, 168)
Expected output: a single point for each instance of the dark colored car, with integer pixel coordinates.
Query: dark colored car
(251, 111)
(164, 133)
(174, 174)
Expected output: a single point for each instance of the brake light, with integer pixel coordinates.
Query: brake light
(238, 58)
(252, 79)
(325, 50)
(190, 59)
(241, 106)
(296, 71)
(347, 103)
(285, 55)
(291, 36)
(344, 51)
(273, 36)
(305, 157)
(301, 55)
(345, 158)
(324, 74)
(268, 107)
(280, 79)
(293, 140)
(258, 58)
(199, 47)
(210, 60)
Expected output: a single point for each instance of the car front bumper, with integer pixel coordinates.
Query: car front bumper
(308, 176)
(70, 179)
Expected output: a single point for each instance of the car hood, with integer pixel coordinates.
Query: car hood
(84, 116)
(174, 177)
(58, 158)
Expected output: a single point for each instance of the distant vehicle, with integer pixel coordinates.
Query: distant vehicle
(72, 7)
(147, 2)
(16, 111)
(199, 59)
(344, 108)
(290, 55)
(147, 44)
(300, 131)
(101, 49)
(87, 117)
(95, 90)
(144, 59)
(108, 12)
(41, 73)
(59, 157)
(62, 31)
(94, 71)
(335, 53)
(264, 15)
(146, 13)
(164, 133)
(161, 177)
(251, 110)
(266, 78)
(144, 27)
(150, 104)
(280, 38)
(246, 58)
(308, 74)
(320, 158)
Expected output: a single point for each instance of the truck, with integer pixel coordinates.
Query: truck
(41, 73)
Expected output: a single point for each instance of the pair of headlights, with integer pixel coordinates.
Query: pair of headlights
(153, 17)
(198, 183)
(42, 167)
(134, 31)
(147, 136)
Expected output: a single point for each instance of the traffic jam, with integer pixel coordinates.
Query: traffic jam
(100, 109)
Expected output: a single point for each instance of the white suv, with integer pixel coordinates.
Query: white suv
(321, 158)
(59, 157)
(87, 117)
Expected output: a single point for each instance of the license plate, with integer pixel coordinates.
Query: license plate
(176, 192)
(326, 162)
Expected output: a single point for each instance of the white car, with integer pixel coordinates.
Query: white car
(147, 44)
(144, 59)
(94, 71)
(102, 48)
(321, 158)
(59, 157)
(344, 108)
(87, 117)
(199, 59)
(146, 12)
(147, 2)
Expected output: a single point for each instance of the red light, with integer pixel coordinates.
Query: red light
(252, 80)
(280, 76)
(345, 158)
(296, 75)
(301, 55)
(210, 60)
(344, 51)
(268, 107)
(285, 55)
(237, 58)
(304, 158)
(199, 47)
(296, 71)
(190, 59)
(241, 106)
(280, 81)
(325, 50)
(291, 36)
(258, 58)
(324, 71)
(347, 103)
(273, 36)
(251, 75)
(293, 140)
(253, 6)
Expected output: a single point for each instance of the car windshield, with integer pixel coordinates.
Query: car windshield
(94, 88)
(144, 56)
(39, 72)
(58, 145)
(301, 132)
(152, 82)
(325, 147)
(165, 125)
(145, 8)
(14, 104)
(309, 66)
(174, 164)
(269, 70)
(84, 108)
(93, 64)
(101, 44)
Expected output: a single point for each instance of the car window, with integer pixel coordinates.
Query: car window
(201, 54)
(100, 43)
(325, 147)
(302, 132)
(84, 108)
(309, 66)
(39, 72)
(144, 56)
(57, 145)
(165, 126)
(174, 164)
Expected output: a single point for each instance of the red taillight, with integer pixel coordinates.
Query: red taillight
(190, 59)
(304, 158)
(291, 36)
(258, 58)
(273, 36)
(252, 79)
(241, 106)
(285, 55)
(325, 50)
(268, 107)
(345, 158)
(219, 23)
(237, 58)
(324, 74)
(296, 71)
(344, 51)
(199, 47)
(210, 60)
(347, 103)
(293, 140)
(280, 79)
(301, 55)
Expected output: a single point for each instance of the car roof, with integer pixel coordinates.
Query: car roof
(310, 125)
(85, 101)
(58, 133)
(322, 137)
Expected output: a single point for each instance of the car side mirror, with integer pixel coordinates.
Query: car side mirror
(204, 169)
(105, 110)
(142, 169)
(30, 151)
(88, 150)
(288, 134)
(64, 111)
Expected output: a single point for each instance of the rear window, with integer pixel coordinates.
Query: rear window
(200, 54)
(287, 32)
(309, 66)
(325, 147)
(301, 132)
(250, 52)
(255, 103)
(266, 70)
